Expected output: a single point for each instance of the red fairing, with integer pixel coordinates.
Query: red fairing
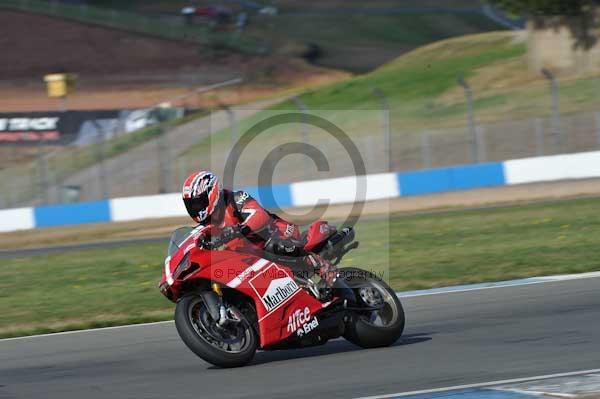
(318, 232)
(234, 303)
(282, 307)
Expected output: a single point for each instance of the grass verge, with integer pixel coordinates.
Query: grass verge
(97, 288)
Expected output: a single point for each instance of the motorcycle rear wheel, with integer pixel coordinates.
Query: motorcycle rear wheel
(372, 329)
(229, 346)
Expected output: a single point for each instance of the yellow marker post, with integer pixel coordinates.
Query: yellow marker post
(59, 85)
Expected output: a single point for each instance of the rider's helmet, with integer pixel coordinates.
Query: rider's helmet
(201, 195)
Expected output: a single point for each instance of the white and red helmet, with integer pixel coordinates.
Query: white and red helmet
(201, 193)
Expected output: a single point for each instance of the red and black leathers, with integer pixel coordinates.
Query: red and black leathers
(255, 226)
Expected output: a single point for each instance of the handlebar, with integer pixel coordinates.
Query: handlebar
(211, 242)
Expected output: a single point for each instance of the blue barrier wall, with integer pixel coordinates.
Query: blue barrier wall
(440, 180)
(430, 181)
(278, 195)
(409, 183)
(70, 214)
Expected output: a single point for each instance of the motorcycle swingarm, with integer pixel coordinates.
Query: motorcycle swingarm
(364, 308)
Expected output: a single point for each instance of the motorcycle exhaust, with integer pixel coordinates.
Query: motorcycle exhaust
(336, 242)
(339, 245)
(342, 237)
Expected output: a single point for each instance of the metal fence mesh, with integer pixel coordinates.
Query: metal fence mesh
(160, 164)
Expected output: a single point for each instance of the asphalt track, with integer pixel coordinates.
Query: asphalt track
(451, 339)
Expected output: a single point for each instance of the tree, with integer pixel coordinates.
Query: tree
(546, 7)
(578, 15)
(551, 22)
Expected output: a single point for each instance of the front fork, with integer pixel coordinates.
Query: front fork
(214, 302)
(309, 285)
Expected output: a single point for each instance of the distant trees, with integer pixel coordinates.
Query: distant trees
(546, 7)
(562, 32)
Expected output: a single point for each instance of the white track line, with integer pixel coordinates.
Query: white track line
(480, 385)
(536, 393)
(407, 294)
(499, 284)
(155, 323)
(565, 277)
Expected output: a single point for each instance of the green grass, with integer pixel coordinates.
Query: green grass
(351, 41)
(170, 5)
(97, 287)
(422, 88)
(415, 84)
(82, 289)
(343, 37)
(423, 94)
(361, 42)
(418, 76)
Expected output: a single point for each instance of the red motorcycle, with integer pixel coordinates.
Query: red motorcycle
(229, 304)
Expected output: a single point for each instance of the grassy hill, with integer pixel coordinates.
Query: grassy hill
(349, 35)
(108, 61)
(166, 6)
(421, 87)
(361, 42)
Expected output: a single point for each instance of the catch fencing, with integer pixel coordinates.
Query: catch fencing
(336, 191)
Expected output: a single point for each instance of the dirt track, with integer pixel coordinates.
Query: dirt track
(53, 44)
(456, 200)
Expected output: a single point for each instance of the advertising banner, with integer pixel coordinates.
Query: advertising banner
(73, 127)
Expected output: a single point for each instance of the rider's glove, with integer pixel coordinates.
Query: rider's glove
(286, 247)
(327, 271)
(205, 242)
(227, 234)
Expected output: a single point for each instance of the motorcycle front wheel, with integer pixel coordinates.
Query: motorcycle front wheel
(371, 328)
(231, 345)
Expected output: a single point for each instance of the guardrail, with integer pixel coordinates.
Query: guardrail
(336, 191)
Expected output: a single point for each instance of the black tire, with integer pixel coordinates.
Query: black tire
(359, 331)
(201, 347)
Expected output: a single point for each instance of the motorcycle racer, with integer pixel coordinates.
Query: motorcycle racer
(246, 226)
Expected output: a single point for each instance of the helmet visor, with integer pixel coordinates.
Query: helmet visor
(196, 207)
